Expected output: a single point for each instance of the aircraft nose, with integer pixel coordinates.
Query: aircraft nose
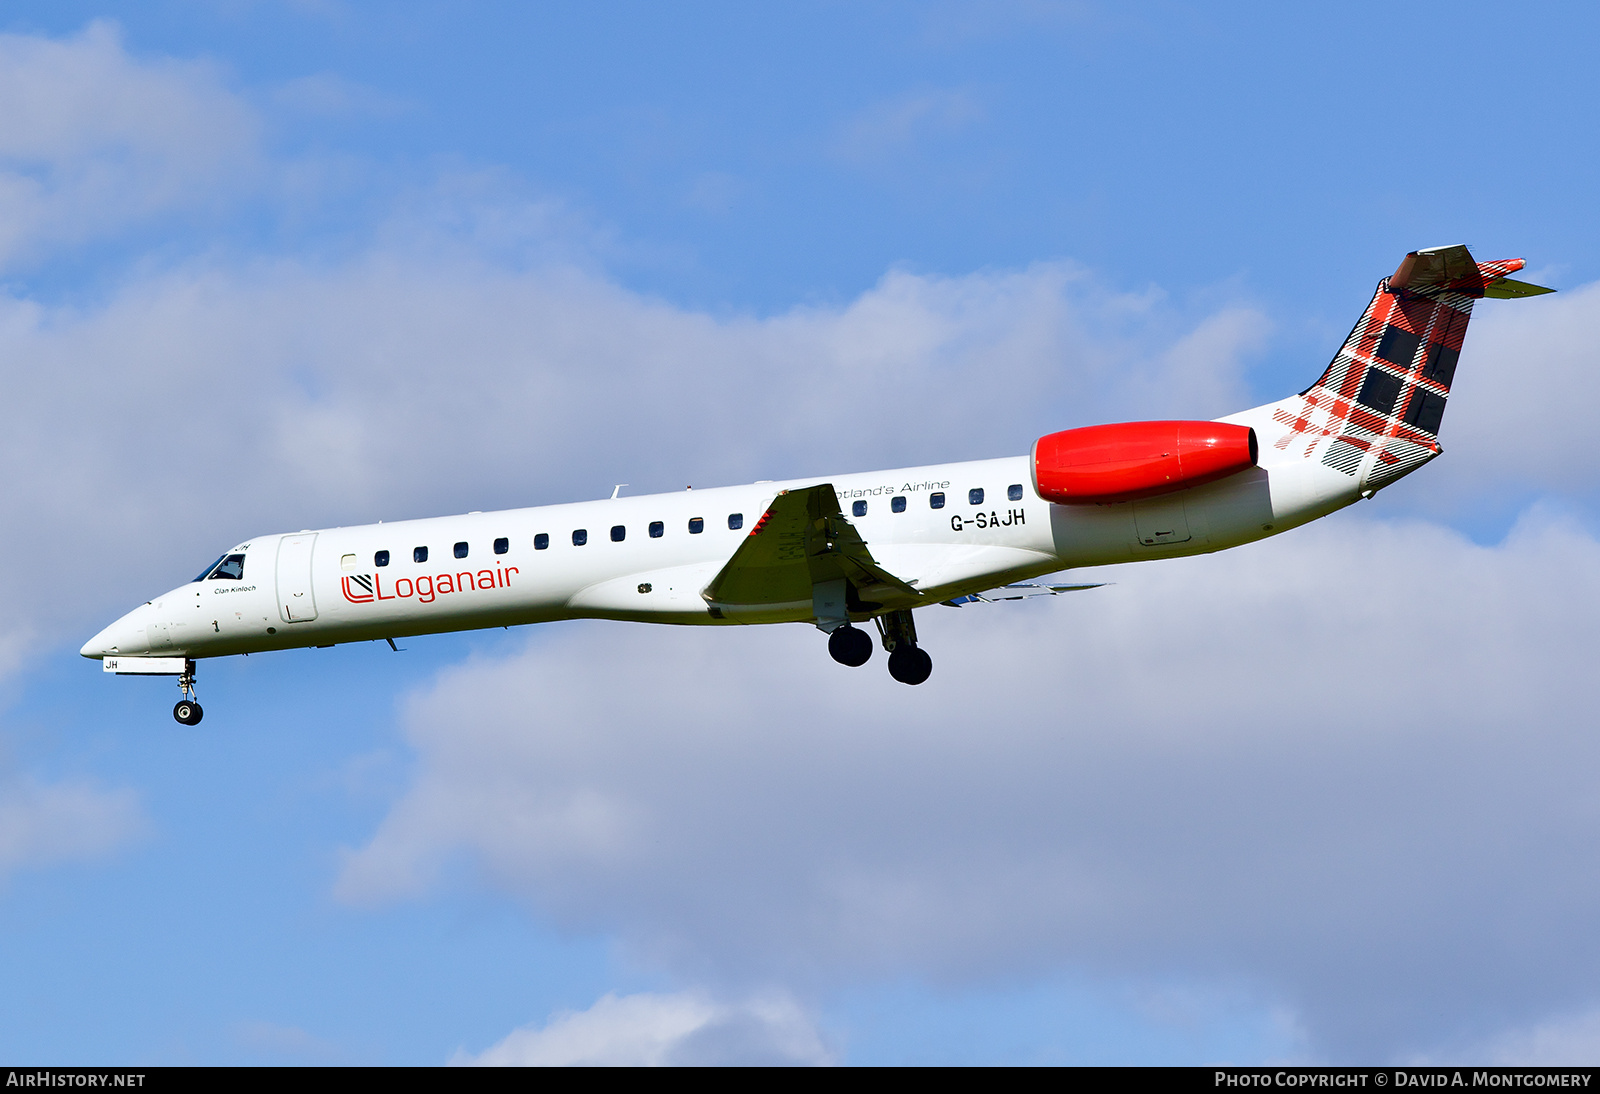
(125, 636)
(99, 646)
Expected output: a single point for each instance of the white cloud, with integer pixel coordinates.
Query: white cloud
(1347, 766)
(43, 823)
(655, 1030)
(1519, 404)
(93, 140)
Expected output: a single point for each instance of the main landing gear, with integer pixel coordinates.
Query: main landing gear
(908, 662)
(187, 711)
(850, 646)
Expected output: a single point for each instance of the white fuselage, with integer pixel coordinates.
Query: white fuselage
(322, 587)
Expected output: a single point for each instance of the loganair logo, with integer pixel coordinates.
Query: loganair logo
(368, 588)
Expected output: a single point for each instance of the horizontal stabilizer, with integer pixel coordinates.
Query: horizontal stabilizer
(1439, 270)
(1023, 591)
(1506, 289)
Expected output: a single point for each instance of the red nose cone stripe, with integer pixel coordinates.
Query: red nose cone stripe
(1106, 463)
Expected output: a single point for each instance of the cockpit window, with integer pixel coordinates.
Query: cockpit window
(227, 568)
(207, 571)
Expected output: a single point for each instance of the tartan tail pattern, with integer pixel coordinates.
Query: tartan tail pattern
(1379, 405)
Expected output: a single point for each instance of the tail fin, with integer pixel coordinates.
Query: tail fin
(1383, 397)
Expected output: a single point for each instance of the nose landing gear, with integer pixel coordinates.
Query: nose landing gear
(187, 711)
(908, 662)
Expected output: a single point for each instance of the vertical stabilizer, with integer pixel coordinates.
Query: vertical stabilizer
(1375, 412)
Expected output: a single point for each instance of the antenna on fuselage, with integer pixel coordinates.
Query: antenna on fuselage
(617, 489)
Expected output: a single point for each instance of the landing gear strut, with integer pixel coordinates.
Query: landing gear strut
(908, 662)
(850, 646)
(187, 711)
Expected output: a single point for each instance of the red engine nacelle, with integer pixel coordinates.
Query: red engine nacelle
(1106, 463)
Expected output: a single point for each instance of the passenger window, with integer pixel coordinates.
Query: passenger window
(541, 541)
(1014, 491)
(347, 563)
(897, 505)
(975, 496)
(580, 536)
(419, 554)
(618, 533)
(735, 521)
(936, 501)
(461, 550)
(657, 529)
(859, 509)
(231, 568)
(697, 525)
(502, 545)
(381, 558)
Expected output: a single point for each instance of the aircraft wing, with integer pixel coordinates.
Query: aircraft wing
(803, 540)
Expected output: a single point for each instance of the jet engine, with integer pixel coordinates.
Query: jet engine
(1106, 463)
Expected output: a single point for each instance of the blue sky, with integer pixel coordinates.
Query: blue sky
(266, 266)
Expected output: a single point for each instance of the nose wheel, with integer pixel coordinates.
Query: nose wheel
(187, 711)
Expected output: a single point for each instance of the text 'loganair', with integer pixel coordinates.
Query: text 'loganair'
(853, 551)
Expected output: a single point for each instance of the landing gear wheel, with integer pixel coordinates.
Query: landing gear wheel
(850, 646)
(187, 711)
(910, 664)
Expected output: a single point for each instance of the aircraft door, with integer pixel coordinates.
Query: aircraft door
(295, 601)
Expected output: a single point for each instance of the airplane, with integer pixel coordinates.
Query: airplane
(842, 552)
